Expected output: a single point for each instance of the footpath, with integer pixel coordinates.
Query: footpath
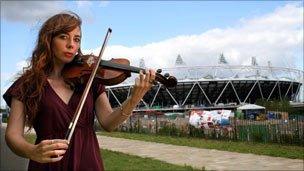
(181, 155)
(199, 158)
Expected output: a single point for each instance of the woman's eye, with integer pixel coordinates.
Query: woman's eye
(63, 37)
(77, 40)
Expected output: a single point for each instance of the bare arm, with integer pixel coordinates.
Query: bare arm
(110, 119)
(14, 137)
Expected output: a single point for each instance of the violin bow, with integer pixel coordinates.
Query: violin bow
(74, 121)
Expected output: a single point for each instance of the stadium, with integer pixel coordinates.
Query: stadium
(212, 87)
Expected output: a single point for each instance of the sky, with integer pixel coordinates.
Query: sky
(157, 31)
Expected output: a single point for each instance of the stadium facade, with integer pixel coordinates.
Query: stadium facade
(219, 86)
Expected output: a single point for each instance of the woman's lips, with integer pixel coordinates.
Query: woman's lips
(68, 55)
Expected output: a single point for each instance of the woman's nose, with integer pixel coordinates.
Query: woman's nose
(70, 44)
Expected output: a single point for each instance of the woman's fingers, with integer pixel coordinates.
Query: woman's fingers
(152, 72)
(143, 83)
(152, 76)
(51, 150)
(146, 80)
(56, 144)
(54, 153)
(141, 75)
(147, 76)
(54, 159)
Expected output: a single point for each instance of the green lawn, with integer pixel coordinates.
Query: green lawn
(120, 161)
(277, 150)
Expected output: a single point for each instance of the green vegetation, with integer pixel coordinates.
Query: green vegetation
(276, 105)
(276, 150)
(280, 105)
(30, 138)
(120, 161)
(2, 110)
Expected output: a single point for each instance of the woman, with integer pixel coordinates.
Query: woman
(42, 99)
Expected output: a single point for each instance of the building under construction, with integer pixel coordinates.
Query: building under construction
(218, 86)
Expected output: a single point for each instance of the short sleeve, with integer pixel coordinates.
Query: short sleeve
(97, 90)
(13, 91)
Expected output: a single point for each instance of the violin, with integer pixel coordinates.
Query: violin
(109, 72)
(85, 68)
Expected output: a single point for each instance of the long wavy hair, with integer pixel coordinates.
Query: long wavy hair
(34, 76)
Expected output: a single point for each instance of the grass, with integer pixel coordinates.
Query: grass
(276, 150)
(120, 161)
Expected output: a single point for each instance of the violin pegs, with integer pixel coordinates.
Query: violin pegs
(167, 75)
(79, 61)
(159, 71)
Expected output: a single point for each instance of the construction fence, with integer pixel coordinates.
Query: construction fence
(288, 131)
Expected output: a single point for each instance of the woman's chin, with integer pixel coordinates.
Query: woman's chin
(67, 60)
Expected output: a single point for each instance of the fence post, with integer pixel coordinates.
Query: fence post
(248, 139)
(300, 139)
(130, 121)
(235, 129)
(138, 125)
(156, 124)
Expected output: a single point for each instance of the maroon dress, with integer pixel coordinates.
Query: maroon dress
(52, 121)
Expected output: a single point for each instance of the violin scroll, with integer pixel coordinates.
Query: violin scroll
(166, 80)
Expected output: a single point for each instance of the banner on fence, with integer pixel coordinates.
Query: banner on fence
(209, 119)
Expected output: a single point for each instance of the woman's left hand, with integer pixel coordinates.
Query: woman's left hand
(143, 83)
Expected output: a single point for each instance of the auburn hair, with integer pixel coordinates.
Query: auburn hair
(34, 76)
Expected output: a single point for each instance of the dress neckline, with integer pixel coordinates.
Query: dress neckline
(58, 97)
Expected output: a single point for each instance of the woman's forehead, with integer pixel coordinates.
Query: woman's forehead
(75, 32)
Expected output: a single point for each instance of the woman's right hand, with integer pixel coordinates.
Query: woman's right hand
(49, 150)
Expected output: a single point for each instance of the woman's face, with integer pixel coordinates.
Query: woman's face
(66, 45)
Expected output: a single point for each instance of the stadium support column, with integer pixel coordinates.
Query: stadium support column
(188, 94)
(159, 86)
(250, 91)
(260, 89)
(235, 93)
(204, 93)
(172, 97)
(272, 90)
(288, 89)
(115, 97)
(221, 93)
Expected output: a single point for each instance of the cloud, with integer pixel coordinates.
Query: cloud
(6, 81)
(7, 78)
(82, 4)
(275, 37)
(29, 11)
(22, 64)
(3, 90)
(104, 3)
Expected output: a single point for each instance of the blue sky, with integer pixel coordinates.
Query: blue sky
(157, 31)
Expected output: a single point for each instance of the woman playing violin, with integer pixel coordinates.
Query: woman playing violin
(42, 99)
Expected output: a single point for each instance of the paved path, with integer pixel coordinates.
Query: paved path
(195, 157)
(199, 158)
(8, 160)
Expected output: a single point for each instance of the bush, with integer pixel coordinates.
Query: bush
(287, 138)
(196, 132)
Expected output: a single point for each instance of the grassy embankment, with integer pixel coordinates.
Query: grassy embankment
(276, 150)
